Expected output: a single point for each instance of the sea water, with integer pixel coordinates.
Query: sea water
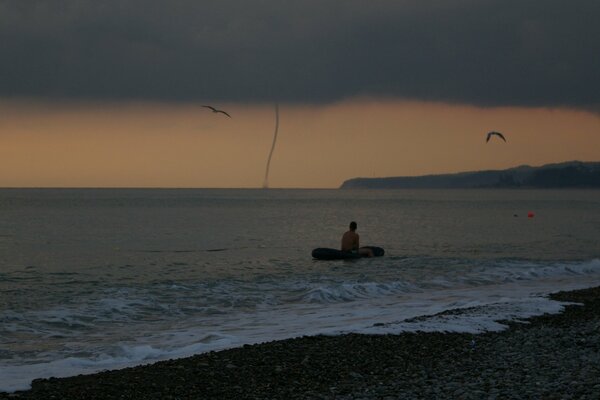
(97, 279)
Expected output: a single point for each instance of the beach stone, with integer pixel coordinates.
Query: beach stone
(355, 375)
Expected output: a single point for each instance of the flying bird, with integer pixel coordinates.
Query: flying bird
(489, 135)
(217, 111)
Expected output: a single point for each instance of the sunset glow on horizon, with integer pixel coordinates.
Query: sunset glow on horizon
(152, 144)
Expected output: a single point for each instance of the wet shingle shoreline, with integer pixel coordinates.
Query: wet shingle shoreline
(550, 357)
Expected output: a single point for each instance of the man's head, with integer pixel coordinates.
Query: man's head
(353, 226)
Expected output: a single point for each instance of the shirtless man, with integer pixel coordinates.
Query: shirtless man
(351, 242)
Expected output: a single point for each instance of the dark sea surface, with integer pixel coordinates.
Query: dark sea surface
(94, 279)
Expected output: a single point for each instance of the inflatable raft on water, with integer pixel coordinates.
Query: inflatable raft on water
(323, 253)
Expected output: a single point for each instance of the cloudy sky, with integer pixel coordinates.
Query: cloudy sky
(110, 93)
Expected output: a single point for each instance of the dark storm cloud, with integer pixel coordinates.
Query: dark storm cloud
(543, 52)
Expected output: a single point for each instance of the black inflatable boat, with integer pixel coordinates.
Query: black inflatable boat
(323, 253)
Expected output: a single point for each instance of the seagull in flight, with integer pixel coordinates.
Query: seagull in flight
(217, 111)
(489, 135)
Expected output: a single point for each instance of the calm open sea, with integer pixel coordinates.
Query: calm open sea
(99, 279)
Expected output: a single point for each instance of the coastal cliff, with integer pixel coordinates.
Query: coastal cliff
(572, 174)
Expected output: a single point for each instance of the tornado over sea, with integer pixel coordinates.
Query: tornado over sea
(266, 182)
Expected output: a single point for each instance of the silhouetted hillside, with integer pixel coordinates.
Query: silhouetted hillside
(573, 174)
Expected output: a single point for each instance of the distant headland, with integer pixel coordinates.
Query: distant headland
(571, 174)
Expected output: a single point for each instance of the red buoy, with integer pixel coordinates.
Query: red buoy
(530, 214)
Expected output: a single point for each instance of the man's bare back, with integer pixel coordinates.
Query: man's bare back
(351, 242)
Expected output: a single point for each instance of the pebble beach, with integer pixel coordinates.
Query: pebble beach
(547, 357)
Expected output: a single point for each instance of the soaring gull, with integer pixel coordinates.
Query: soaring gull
(489, 135)
(217, 111)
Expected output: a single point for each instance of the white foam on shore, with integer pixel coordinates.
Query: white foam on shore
(19, 377)
(479, 309)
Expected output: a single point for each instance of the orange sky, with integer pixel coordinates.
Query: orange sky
(185, 145)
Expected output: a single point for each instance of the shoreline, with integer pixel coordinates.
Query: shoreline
(553, 356)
